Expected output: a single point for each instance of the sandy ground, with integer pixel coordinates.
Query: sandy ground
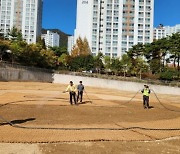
(98, 125)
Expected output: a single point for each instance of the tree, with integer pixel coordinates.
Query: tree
(32, 55)
(4, 46)
(135, 53)
(1, 34)
(116, 65)
(81, 63)
(107, 62)
(75, 51)
(59, 51)
(17, 50)
(175, 49)
(48, 57)
(63, 60)
(88, 62)
(81, 48)
(41, 42)
(98, 62)
(126, 64)
(153, 55)
(87, 50)
(141, 67)
(15, 35)
(164, 49)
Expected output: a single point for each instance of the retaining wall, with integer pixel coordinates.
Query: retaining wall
(11, 74)
(113, 84)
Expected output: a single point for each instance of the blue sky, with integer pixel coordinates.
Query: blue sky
(61, 14)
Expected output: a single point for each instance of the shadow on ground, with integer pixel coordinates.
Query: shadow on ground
(14, 122)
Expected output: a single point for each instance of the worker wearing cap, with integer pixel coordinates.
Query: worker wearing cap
(146, 92)
(80, 89)
(72, 92)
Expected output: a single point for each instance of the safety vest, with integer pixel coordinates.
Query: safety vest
(146, 92)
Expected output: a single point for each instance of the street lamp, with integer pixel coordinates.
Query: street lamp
(10, 52)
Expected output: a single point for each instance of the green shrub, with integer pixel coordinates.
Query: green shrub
(169, 75)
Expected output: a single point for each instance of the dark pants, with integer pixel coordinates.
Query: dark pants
(80, 93)
(146, 101)
(72, 95)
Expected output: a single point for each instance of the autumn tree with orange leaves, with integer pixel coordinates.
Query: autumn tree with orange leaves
(81, 48)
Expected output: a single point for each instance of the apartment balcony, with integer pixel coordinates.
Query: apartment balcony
(141, 9)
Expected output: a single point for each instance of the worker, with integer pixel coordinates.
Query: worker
(146, 92)
(80, 89)
(72, 92)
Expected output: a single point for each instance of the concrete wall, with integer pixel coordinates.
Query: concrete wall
(113, 84)
(11, 74)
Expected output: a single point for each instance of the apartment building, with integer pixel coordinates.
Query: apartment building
(172, 29)
(51, 39)
(25, 15)
(70, 44)
(159, 32)
(114, 26)
(164, 31)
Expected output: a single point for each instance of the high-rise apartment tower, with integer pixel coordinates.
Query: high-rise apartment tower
(114, 26)
(51, 39)
(25, 15)
(164, 31)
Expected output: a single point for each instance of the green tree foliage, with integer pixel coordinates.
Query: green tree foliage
(169, 74)
(4, 46)
(116, 65)
(1, 34)
(155, 54)
(126, 62)
(107, 62)
(18, 49)
(136, 55)
(59, 51)
(49, 59)
(174, 48)
(156, 58)
(81, 63)
(32, 54)
(63, 60)
(41, 42)
(98, 62)
(15, 34)
(113, 65)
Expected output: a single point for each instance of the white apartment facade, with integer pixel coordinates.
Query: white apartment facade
(164, 31)
(25, 15)
(159, 32)
(51, 39)
(114, 26)
(70, 44)
(172, 29)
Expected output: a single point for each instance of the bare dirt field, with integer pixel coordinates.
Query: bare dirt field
(37, 118)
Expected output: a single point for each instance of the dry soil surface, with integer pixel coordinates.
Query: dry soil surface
(37, 118)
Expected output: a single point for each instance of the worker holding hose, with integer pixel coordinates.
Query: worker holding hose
(72, 92)
(146, 92)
